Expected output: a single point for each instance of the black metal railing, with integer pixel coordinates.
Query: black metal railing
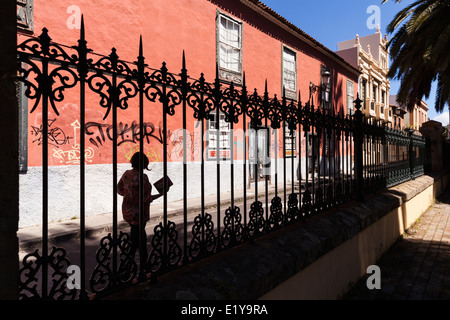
(331, 158)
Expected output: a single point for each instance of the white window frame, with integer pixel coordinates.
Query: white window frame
(230, 40)
(289, 72)
(350, 96)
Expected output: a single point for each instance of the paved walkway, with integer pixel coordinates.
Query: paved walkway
(417, 266)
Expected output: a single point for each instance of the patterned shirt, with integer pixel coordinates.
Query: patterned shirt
(128, 187)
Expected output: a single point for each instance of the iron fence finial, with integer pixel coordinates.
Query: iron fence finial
(82, 28)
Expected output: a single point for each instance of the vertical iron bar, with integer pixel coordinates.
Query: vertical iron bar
(347, 158)
(232, 173)
(358, 140)
(46, 83)
(366, 155)
(266, 176)
(293, 162)
(299, 120)
(313, 145)
(299, 175)
(217, 103)
(82, 70)
(319, 139)
(184, 88)
(141, 160)
(245, 168)
(115, 106)
(324, 157)
(82, 187)
(333, 158)
(306, 162)
(284, 160)
(256, 175)
(202, 180)
(165, 111)
(244, 126)
(276, 162)
(284, 106)
(351, 142)
(330, 138)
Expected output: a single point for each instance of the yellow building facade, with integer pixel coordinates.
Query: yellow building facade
(370, 54)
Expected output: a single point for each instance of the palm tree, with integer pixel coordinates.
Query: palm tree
(420, 50)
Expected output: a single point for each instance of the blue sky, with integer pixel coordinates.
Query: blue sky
(332, 21)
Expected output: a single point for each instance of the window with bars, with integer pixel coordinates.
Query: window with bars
(219, 135)
(289, 73)
(290, 142)
(229, 48)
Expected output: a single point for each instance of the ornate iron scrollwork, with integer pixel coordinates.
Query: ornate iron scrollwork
(256, 224)
(104, 276)
(204, 240)
(233, 231)
(292, 212)
(32, 264)
(307, 205)
(276, 214)
(164, 256)
(200, 100)
(230, 105)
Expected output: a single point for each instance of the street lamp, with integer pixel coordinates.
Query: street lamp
(312, 89)
(324, 87)
(326, 75)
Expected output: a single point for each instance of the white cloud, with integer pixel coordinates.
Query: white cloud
(442, 118)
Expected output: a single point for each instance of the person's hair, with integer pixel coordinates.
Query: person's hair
(135, 161)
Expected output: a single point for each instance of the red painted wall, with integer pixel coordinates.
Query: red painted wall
(168, 27)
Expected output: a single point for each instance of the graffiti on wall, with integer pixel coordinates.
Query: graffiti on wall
(125, 132)
(66, 148)
(56, 136)
(72, 156)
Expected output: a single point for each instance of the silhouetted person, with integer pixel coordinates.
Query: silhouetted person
(128, 187)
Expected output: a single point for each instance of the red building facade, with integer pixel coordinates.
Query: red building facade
(237, 37)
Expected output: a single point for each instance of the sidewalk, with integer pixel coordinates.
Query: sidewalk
(417, 266)
(30, 237)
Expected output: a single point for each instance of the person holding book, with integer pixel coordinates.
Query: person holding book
(128, 187)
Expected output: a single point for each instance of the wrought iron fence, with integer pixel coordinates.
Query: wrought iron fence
(328, 158)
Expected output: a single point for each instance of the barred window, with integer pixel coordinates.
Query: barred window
(289, 73)
(220, 137)
(290, 142)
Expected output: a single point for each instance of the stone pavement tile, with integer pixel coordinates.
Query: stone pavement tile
(417, 266)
